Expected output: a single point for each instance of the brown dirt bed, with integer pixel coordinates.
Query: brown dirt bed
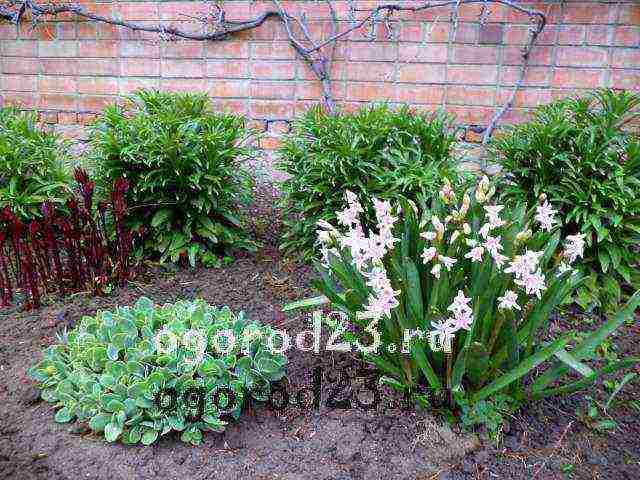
(545, 441)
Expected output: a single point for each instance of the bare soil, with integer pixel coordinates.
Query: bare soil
(548, 440)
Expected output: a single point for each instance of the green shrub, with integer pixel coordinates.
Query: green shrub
(184, 164)
(120, 372)
(33, 167)
(452, 302)
(376, 151)
(578, 152)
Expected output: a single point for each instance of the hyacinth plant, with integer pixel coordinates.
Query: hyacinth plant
(452, 301)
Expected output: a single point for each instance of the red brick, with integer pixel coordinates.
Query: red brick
(270, 30)
(67, 118)
(582, 56)
(94, 103)
(227, 69)
(19, 83)
(87, 30)
(58, 48)
(21, 66)
(227, 49)
(491, 34)
(313, 90)
(475, 55)
(516, 34)
(19, 48)
(535, 76)
(257, 125)
(629, 79)
(367, 51)
(139, 48)
(579, 77)
(269, 109)
(273, 90)
(99, 66)
(65, 30)
(371, 71)
(176, 10)
(184, 84)
(462, 95)
(437, 33)
(22, 100)
(471, 116)
(183, 68)
(421, 73)
(58, 84)
(270, 70)
(130, 85)
(571, 34)
(539, 55)
(630, 14)
(59, 66)
(270, 143)
(626, 57)
(421, 94)
(87, 118)
(47, 117)
(478, 75)
(529, 97)
(98, 48)
(372, 92)
(411, 32)
(137, 10)
(423, 53)
(140, 67)
(515, 115)
(600, 35)
(107, 31)
(588, 12)
(98, 85)
(466, 32)
(8, 31)
(229, 88)
(183, 49)
(627, 36)
(58, 101)
(229, 105)
(273, 51)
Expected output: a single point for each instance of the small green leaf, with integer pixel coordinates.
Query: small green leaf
(63, 415)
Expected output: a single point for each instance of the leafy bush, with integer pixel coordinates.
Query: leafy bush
(452, 302)
(138, 373)
(32, 164)
(376, 151)
(183, 162)
(578, 152)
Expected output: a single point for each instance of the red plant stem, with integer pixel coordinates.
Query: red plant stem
(31, 275)
(51, 242)
(5, 280)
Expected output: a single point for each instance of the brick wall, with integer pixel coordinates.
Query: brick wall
(69, 69)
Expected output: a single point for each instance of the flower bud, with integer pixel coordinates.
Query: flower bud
(523, 236)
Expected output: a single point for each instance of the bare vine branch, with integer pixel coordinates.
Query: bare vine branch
(216, 27)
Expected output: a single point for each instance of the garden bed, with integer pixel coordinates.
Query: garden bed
(545, 441)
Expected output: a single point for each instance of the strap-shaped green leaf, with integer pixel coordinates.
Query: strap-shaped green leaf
(522, 369)
(586, 348)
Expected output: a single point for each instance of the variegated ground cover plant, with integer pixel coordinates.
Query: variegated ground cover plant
(466, 288)
(137, 373)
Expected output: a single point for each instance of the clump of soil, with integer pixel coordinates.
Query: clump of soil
(298, 442)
